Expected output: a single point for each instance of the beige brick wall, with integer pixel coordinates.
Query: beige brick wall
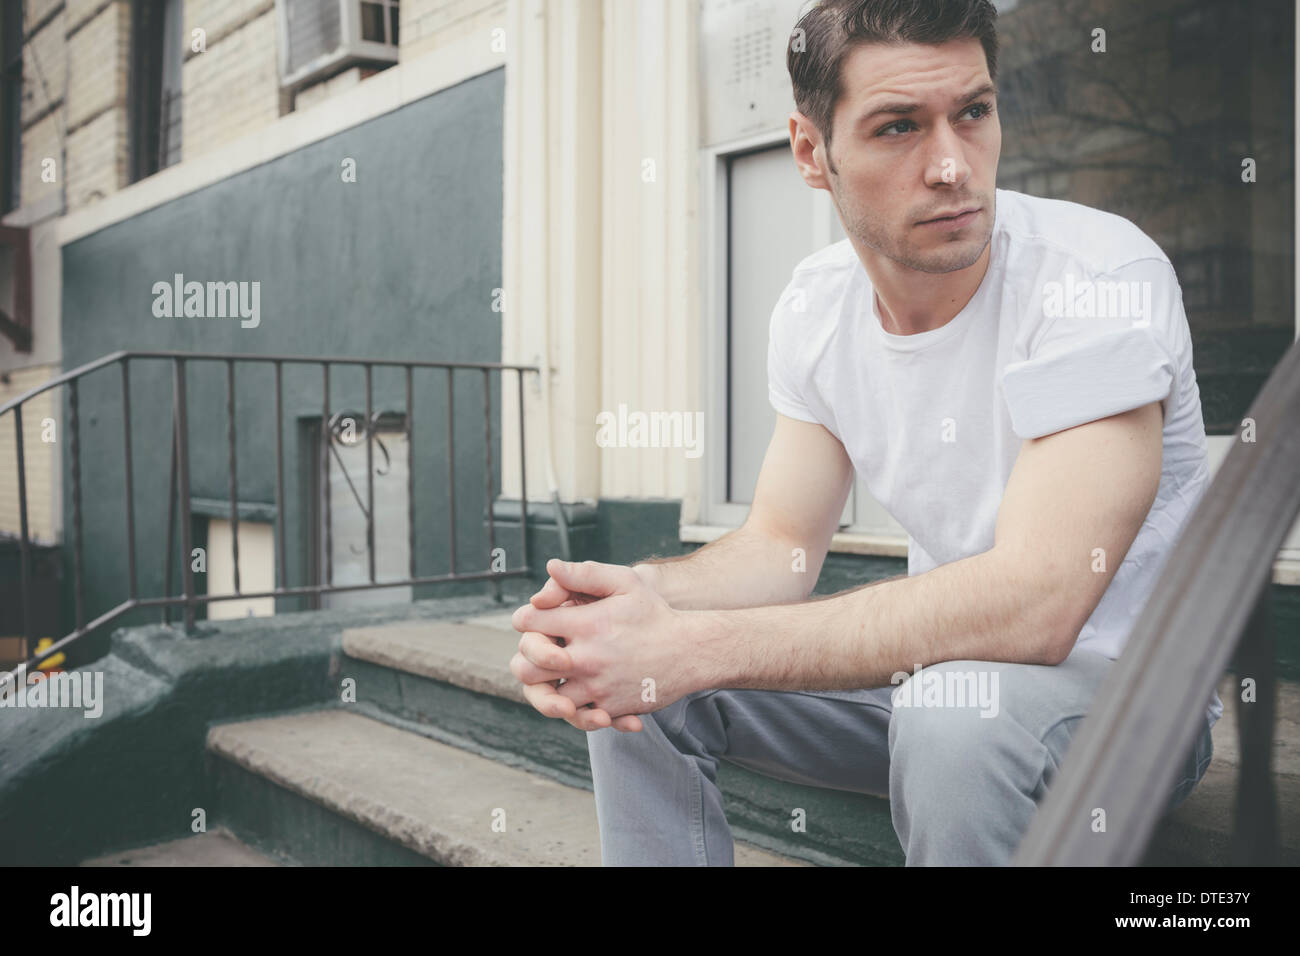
(34, 11)
(312, 95)
(44, 82)
(95, 116)
(428, 25)
(220, 17)
(40, 142)
(97, 159)
(98, 57)
(228, 90)
(79, 11)
(233, 87)
(42, 459)
(44, 68)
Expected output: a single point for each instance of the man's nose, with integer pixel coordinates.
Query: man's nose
(947, 163)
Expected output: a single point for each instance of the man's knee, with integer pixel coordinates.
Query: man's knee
(940, 740)
(951, 710)
(659, 729)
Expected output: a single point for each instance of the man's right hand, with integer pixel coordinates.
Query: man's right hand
(553, 594)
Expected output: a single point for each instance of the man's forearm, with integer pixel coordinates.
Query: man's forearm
(978, 608)
(743, 568)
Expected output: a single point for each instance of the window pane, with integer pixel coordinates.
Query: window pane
(372, 22)
(256, 568)
(1156, 129)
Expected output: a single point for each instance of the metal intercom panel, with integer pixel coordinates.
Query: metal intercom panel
(743, 66)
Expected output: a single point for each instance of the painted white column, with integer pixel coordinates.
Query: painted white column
(552, 242)
(601, 243)
(651, 343)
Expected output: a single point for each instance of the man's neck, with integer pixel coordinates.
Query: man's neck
(910, 302)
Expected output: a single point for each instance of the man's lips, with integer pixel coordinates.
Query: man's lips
(953, 220)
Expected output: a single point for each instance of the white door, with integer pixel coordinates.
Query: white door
(774, 220)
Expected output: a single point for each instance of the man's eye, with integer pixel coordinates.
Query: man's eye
(984, 109)
(885, 131)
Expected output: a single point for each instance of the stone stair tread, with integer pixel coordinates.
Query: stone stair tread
(432, 798)
(474, 654)
(217, 847)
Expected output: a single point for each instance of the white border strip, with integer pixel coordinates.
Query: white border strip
(376, 95)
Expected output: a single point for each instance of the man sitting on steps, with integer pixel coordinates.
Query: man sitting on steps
(1012, 378)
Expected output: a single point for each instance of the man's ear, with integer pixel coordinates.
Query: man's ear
(809, 153)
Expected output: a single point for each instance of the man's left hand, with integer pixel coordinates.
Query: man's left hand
(624, 652)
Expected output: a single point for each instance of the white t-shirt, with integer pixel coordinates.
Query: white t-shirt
(1079, 317)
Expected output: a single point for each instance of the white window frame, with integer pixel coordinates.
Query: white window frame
(717, 515)
(715, 511)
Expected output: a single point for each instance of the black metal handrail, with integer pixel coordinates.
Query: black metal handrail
(1212, 595)
(179, 485)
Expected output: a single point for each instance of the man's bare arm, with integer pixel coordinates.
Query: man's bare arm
(802, 486)
(1024, 600)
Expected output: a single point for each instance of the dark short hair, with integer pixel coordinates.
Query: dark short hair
(832, 28)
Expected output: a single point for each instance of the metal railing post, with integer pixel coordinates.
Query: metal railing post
(326, 438)
(130, 477)
(523, 472)
(280, 516)
(370, 475)
(234, 480)
(410, 475)
(451, 470)
(179, 396)
(24, 553)
(169, 556)
(487, 444)
(74, 441)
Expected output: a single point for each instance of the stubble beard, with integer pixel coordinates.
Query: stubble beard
(950, 255)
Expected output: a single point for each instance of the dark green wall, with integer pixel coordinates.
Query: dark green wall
(401, 263)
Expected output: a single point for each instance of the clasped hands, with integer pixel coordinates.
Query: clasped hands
(599, 646)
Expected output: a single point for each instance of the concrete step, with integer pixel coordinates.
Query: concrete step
(452, 678)
(378, 793)
(217, 847)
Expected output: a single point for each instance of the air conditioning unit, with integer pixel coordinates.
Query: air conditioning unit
(321, 37)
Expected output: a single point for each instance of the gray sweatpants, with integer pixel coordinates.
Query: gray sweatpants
(962, 787)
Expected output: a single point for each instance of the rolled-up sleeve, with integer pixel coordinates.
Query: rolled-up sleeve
(1114, 356)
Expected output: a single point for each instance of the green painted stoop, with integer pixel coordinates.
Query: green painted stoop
(334, 787)
(450, 680)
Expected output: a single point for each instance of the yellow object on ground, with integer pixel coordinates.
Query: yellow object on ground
(50, 662)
